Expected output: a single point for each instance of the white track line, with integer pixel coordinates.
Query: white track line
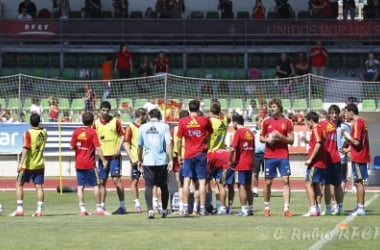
(319, 244)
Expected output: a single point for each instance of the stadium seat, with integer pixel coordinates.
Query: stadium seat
(224, 73)
(256, 60)
(44, 103)
(113, 102)
(270, 73)
(194, 72)
(69, 74)
(71, 60)
(23, 70)
(240, 74)
(209, 72)
(353, 61)
(368, 105)
(176, 61)
(185, 102)
(197, 15)
(212, 15)
(376, 162)
(2, 103)
(136, 14)
(242, 15)
(177, 72)
(193, 60)
(7, 71)
(124, 101)
(38, 72)
(236, 103)
(106, 14)
(55, 60)
(14, 103)
(303, 14)
(223, 103)
(9, 60)
(41, 60)
(239, 61)
(286, 104)
(75, 14)
(26, 103)
(139, 103)
(88, 61)
(77, 104)
(299, 104)
(64, 104)
(210, 61)
(226, 60)
(370, 90)
(53, 73)
(335, 61)
(25, 60)
(271, 60)
(316, 104)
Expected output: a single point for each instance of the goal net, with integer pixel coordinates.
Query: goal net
(172, 93)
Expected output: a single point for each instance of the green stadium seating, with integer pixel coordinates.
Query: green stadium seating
(239, 74)
(136, 14)
(299, 104)
(2, 103)
(38, 72)
(53, 73)
(316, 104)
(193, 60)
(335, 61)
(55, 61)
(193, 72)
(69, 74)
(353, 61)
(303, 14)
(88, 61)
(256, 60)
(224, 73)
(75, 14)
(77, 104)
(25, 60)
(242, 15)
(269, 73)
(286, 104)
(369, 105)
(71, 60)
(44, 103)
(106, 14)
(212, 15)
(271, 60)
(28, 102)
(209, 72)
(177, 72)
(9, 60)
(236, 103)
(7, 71)
(41, 60)
(239, 60)
(197, 15)
(226, 60)
(176, 61)
(210, 61)
(23, 70)
(64, 104)
(14, 103)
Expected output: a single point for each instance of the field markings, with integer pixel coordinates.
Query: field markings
(319, 244)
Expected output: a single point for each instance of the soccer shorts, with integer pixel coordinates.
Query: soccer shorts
(344, 169)
(258, 162)
(243, 177)
(114, 167)
(196, 167)
(315, 175)
(88, 177)
(334, 174)
(359, 171)
(276, 164)
(226, 177)
(25, 176)
(156, 175)
(135, 173)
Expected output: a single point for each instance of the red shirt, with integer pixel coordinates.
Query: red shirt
(331, 145)
(160, 65)
(319, 60)
(123, 60)
(244, 145)
(285, 127)
(317, 137)
(129, 133)
(218, 159)
(196, 130)
(361, 153)
(84, 141)
(53, 112)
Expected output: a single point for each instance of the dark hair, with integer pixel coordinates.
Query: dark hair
(105, 104)
(155, 113)
(238, 119)
(312, 116)
(334, 108)
(88, 118)
(277, 102)
(140, 112)
(215, 108)
(35, 120)
(183, 113)
(352, 107)
(122, 45)
(194, 105)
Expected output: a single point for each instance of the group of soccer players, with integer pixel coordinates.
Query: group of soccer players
(200, 156)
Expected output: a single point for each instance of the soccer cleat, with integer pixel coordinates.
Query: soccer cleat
(85, 213)
(150, 214)
(266, 212)
(287, 213)
(138, 209)
(185, 213)
(120, 210)
(241, 213)
(222, 212)
(356, 212)
(37, 214)
(312, 214)
(17, 213)
(157, 209)
(102, 213)
(341, 213)
(255, 195)
(164, 214)
(195, 212)
(250, 213)
(327, 213)
(203, 212)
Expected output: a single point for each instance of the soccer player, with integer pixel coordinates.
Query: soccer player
(258, 158)
(154, 149)
(220, 170)
(130, 145)
(32, 165)
(360, 154)
(334, 114)
(219, 122)
(316, 164)
(333, 188)
(196, 130)
(85, 142)
(177, 168)
(111, 136)
(277, 132)
(241, 159)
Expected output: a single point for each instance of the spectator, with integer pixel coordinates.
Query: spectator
(66, 117)
(371, 72)
(89, 99)
(36, 107)
(63, 9)
(321, 8)
(24, 15)
(149, 13)
(21, 117)
(301, 65)
(146, 67)
(225, 7)
(123, 63)
(283, 9)
(334, 8)
(120, 8)
(6, 116)
(150, 104)
(162, 9)
(284, 67)
(92, 9)
(53, 109)
(107, 77)
(30, 7)
(258, 11)
(371, 10)
(318, 56)
(349, 8)
(177, 9)
(161, 64)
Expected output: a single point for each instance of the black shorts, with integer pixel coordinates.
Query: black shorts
(156, 175)
(258, 162)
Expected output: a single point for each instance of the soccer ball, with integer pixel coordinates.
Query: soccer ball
(1, 208)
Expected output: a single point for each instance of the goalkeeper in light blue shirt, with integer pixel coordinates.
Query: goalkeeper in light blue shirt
(258, 158)
(155, 159)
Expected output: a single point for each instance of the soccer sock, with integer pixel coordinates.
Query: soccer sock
(185, 208)
(19, 205)
(318, 207)
(255, 190)
(155, 202)
(360, 206)
(201, 208)
(313, 209)
(82, 207)
(99, 207)
(103, 205)
(328, 207)
(137, 202)
(122, 204)
(250, 208)
(266, 205)
(286, 207)
(195, 208)
(244, 209)
(180, 204)
(40, 204)
(340, 206)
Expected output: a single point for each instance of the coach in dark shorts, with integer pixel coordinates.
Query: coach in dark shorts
(258, 159)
